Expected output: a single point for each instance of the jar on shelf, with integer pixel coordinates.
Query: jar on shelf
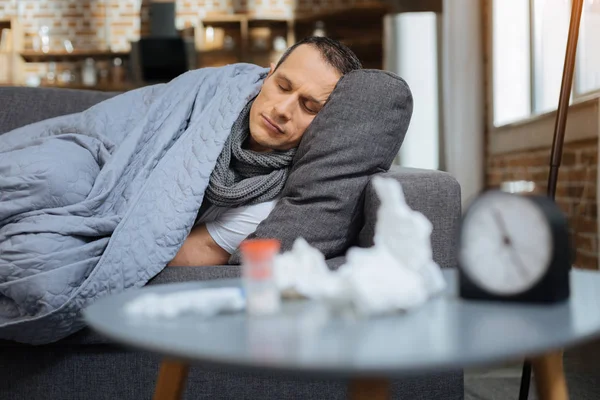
(88, 72)
(319, 29)
(279, 44)
(42, 40)
(118, 71)
(51, 74)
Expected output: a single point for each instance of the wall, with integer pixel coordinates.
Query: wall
(87, 23)
(463, 95)
(412, 51)
(522, 152)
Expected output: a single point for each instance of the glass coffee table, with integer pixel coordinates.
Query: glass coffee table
(445, 334)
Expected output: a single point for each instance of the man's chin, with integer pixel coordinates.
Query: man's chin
(259, 144)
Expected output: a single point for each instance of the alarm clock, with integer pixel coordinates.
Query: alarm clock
(514, 248)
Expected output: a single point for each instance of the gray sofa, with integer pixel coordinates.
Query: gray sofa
(87, 366)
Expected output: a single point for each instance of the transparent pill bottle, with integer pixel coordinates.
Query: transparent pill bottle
(262, 295)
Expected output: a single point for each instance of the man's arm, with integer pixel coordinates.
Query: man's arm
(212, 243)
(199, 249)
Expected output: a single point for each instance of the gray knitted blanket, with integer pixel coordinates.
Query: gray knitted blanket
(99, 202)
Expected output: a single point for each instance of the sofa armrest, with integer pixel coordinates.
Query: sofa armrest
(437, 195)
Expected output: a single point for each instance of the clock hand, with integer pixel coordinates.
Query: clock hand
(508, 243)
(502, 226)
(519, 262)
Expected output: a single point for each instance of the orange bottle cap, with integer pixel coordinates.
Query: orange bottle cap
(259, 248)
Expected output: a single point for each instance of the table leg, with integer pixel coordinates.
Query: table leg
(171, 380)
(369, 389)
(549, 377)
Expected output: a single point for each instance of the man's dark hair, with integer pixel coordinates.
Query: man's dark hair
(333, 52)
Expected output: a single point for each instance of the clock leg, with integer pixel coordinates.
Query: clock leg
(171, 380)
(549, 377)
(369, 389)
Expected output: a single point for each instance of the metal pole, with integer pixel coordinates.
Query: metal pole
(565, 94)
(559, 135)
(525, 381)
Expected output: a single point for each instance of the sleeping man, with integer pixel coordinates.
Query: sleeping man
(100, 201)
(252, 168)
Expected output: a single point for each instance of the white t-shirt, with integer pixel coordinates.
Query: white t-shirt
(230, 226)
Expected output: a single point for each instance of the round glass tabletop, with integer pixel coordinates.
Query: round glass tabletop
(445, 333)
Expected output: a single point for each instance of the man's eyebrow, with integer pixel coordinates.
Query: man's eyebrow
(313, 100)
(307, 97)
(285, 78)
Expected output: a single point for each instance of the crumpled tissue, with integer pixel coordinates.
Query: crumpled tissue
(297, 270)
(406, 233)
(396, 273)
(202, 302)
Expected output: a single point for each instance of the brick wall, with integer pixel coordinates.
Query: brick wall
(575, 192)
(102, 24)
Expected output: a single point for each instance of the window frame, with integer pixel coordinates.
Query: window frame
(576, 95)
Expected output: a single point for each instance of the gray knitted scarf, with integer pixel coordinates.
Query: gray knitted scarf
(243, 176)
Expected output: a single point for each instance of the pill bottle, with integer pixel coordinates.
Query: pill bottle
(262, 295)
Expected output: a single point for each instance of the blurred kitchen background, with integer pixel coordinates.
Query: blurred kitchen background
(122, 44)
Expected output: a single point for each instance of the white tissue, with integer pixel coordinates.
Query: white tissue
(406, 233)
(297, 271)
(376, 283)
(396, 273)
(203, 302)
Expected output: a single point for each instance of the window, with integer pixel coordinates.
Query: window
(529, 39)
(550, 30)
(588, 56)
(511, 80)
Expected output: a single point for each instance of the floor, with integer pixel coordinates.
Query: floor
(582, 368)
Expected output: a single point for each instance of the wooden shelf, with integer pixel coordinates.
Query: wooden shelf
(357, 10)
(362, 42)
(100, 87)
(234, 52)
(36, 56)
(220, 52)
(225, 18)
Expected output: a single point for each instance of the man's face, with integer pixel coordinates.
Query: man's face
(290, 99)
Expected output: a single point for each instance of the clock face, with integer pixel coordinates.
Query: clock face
(506, 243)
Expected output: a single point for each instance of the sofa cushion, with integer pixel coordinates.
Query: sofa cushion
(28, 105)
(357, 134)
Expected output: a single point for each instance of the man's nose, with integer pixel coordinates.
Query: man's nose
(284, 108)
